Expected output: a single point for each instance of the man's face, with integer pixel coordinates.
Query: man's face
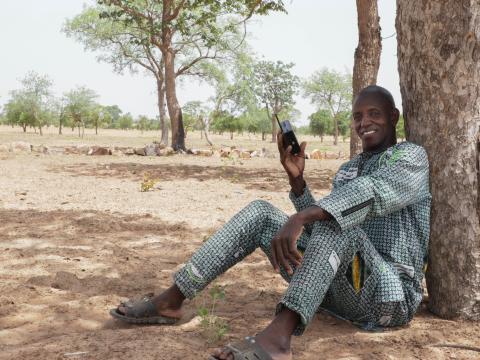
(373, 122)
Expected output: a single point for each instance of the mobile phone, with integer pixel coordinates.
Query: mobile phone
(289, 137)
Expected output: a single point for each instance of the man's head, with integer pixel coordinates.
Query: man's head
(375, 118)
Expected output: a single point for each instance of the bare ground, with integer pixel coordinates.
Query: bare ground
(77, 236)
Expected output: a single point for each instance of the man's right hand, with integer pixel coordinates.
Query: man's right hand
(293, 164)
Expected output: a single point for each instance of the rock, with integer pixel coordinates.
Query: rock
(20, 147)
(225, 152)
(140, 151)
(204, 152)
(192, 151)
(255, 154)
(98, 150)
(151, 150)
(166, 151)
(129, 151)
(4, 148)
(117, 152)
(316, 154)
(330, 155)
(82, 149)
(41, 149)
(307, 155)
(244, 155)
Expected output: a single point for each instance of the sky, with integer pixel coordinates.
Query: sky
(314, 34)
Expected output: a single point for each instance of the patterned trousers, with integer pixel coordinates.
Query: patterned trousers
(324, 280)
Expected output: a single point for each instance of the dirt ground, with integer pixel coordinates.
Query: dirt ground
(77, 235)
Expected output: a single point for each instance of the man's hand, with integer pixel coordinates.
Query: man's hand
(284, 245)
(293, 164)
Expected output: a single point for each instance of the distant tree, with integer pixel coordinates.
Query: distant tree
(79, 104)
(125, 121)
(274, 86)
(114, 113)
(143, 123)
(344, 124)
(320, 123)
(197, 116)
(31, 105)
(330, 90)
(224, 121)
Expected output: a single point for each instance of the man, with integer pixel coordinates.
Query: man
(358, 252)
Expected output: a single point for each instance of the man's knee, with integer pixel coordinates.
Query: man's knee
(261, 207)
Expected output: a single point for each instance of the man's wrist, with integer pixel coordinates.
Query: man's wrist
(298, 185)
(312, 214)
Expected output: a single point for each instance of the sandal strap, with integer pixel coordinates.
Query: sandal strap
(248, 349)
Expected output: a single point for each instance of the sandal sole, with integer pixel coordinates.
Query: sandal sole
(162, 320)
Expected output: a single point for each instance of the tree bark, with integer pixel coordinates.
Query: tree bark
(439, 66)
(367, 57)
(161, 111)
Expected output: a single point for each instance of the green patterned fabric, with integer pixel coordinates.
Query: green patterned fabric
(380, 203)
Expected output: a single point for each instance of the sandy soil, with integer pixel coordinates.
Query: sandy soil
(77, 236)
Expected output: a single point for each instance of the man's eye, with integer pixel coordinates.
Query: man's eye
(357, 118)
(374, 113)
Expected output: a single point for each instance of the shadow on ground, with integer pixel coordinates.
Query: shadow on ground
(259, 179)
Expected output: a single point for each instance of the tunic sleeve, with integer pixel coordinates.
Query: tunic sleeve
(398, 182)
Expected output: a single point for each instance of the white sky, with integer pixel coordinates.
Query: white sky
(314, 34)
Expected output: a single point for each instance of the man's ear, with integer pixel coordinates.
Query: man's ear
(395, 117)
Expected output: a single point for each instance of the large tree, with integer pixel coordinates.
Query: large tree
(367, 56)
(439, 66)
(206, 27)
(275, 86)
(332, 91)
(122, 44)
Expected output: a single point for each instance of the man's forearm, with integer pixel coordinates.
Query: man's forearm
(298, 185)
(312, 214)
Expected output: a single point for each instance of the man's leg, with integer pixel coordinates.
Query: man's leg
(252, 227)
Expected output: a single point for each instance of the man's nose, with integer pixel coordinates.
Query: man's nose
(365, 122)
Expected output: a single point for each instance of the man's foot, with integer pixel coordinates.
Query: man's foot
(163, 306)
(263, 347)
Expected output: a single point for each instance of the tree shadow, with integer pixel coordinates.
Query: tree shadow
(258, 179)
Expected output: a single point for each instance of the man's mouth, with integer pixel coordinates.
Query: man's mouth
(369, 132)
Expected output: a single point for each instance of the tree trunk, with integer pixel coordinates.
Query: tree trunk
(264, 136)
(174, 110)
(206, 125)
(439, 66)
(60, 126)
(161, 111)
(24, 126)
(96, 127)
(335, 130)
(40, 130)
(367, 57)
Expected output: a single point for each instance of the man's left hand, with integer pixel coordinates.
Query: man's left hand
(284, 245)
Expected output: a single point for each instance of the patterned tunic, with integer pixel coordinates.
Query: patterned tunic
(386, 195)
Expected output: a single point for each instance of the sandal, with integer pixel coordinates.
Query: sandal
(141, 311)
(248, 349)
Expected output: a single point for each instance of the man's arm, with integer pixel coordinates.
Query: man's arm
(401, 181)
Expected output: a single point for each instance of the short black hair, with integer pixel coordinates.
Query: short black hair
(383, 93)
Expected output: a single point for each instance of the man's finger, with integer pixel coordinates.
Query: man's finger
(280, 142)
(303, 145)
(294, 253)
(274, 257)
(283, 260)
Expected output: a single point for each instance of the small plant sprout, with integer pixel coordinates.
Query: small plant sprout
(213, 327)
(147, 183)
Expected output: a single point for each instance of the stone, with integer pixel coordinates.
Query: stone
(316, 154)
(98, 150)
(166, 151)
(4, 148)
(140, 151)
(117, 152)
(204, 152)
(82, 149)
(244, 155)
(41, 149)
(20, 147)
(151, 150)
(129, 151)
(225, 152)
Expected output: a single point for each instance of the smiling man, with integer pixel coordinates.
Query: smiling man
(359, 252)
